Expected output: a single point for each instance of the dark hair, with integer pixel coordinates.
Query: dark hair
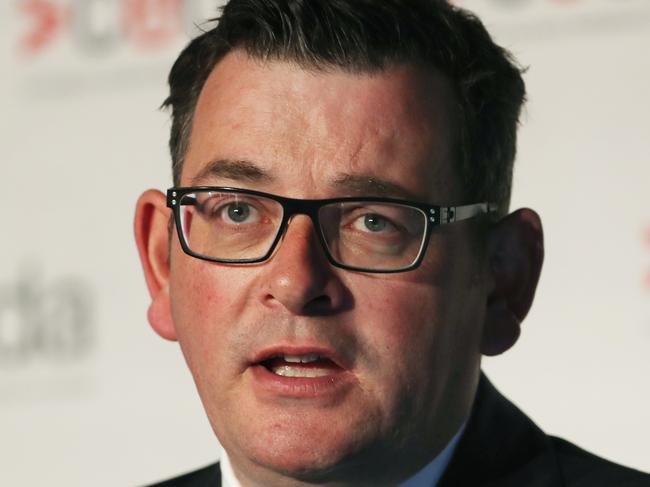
(368, 36)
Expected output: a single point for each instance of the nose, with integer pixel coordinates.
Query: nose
(299, 276)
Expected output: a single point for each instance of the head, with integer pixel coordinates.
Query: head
(331, 99)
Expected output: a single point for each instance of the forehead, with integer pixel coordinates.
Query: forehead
(305, 128)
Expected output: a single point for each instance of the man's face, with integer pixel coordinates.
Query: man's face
(402, 349)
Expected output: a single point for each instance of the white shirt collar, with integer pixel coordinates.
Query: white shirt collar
(429, 476)
(228, 478)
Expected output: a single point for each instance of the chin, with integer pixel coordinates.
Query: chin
(301, 463)
(315, 450)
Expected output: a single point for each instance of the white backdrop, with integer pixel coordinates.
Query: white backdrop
(90, 396)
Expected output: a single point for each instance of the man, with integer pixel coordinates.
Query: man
(336, 253)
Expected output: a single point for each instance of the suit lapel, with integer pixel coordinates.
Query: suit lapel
(501, 447)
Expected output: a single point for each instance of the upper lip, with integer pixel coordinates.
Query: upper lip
(294, 350)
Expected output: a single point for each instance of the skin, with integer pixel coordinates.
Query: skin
(412, 341)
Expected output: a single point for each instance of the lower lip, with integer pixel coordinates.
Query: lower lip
(334, 385)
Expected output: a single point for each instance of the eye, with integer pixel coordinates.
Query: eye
(372, 222)
(230, 211)
(237, 212)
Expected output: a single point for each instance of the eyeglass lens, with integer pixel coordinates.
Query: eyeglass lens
(242, 227)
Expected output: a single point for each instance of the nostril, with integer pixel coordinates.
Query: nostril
(322, 300)
(319, 305)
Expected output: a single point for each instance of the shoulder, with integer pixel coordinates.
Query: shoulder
(209, 476)
(502, 447)
(583, 469)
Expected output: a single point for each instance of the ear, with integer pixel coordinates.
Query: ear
(152, 238)
(515, 251)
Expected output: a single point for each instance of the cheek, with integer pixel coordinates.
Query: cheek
(397, 313)
(195, 296)
(418, 327)
(203, 309)
(401, 336)
(203, 293)
(402, 328)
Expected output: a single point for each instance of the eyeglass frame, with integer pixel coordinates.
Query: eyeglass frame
(435, 215)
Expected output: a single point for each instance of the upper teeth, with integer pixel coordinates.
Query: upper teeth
(304, 359)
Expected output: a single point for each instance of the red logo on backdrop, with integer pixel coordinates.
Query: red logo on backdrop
(47, 19)
(150, 23)
(99, 26)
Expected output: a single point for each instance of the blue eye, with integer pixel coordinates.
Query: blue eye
(374, 222)
(238, 212)
(370, 223)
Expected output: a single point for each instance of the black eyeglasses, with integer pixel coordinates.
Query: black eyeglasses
(241, 226)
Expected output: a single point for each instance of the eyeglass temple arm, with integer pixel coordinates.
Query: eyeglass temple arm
(187, 201)
(450, 214)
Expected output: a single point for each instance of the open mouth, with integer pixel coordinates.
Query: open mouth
(310, 365)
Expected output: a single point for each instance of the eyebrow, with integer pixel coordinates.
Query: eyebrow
(235, 170)
(367, 185)
(343, 183)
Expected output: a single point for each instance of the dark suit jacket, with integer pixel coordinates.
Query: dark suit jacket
(501, 447)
